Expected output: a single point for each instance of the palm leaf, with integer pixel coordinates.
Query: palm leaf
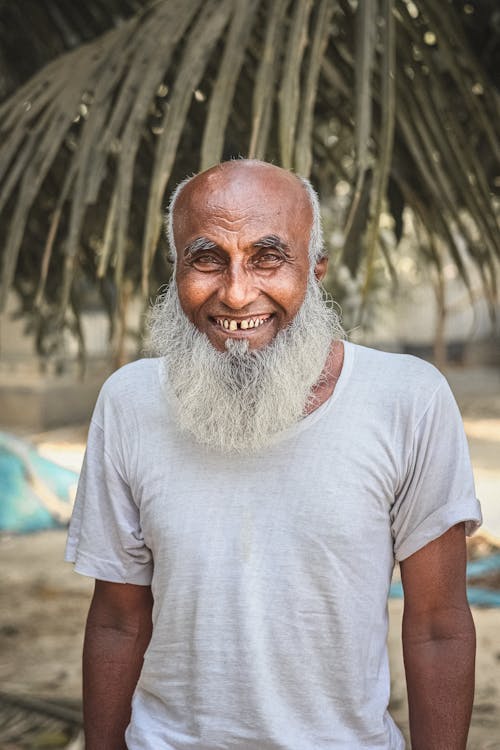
(388, 113)
(93, 142)
(265, 81)
(320, 35)
(365, 26)
(232, 60)
(289, 94)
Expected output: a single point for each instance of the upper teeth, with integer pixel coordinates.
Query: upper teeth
(233, 325)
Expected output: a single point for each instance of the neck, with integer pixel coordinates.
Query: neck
(329, 376)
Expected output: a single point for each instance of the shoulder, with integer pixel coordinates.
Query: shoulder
(134, 377)
(398, 374)
(398, 388)
(129, 390)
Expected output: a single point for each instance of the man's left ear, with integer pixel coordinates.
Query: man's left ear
(320, 269)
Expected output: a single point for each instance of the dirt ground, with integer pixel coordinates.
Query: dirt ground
(43, 603)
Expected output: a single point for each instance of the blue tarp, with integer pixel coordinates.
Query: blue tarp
(35, 493)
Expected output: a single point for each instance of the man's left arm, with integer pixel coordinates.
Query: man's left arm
(438, 643)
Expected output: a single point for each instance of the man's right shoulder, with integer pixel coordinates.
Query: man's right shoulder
(131, 386)
(141, 372)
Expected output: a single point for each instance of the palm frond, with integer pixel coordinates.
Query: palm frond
(93, 142)
(365, 37)
(319, 41)
(388, 113)
(289, 94)
(222, 95)
(265, 81)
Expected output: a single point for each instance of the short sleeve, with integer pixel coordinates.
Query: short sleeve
(105, 540)
(437, 490)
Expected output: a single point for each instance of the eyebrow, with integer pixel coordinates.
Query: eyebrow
(203, 245)
(272, 240)
(199, 245)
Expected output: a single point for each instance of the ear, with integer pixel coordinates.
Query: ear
(320, 269)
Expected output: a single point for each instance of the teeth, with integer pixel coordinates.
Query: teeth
(233, 325)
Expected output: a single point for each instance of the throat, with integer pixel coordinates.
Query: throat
(328, 379)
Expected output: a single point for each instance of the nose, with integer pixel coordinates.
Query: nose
(237, 289)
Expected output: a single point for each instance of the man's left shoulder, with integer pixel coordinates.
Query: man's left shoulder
(399, 375)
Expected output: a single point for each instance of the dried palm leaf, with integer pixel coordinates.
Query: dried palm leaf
(320, 34)
(80, 160)
(263, 94)
(289, 94)
(222, 95)
(383, 164)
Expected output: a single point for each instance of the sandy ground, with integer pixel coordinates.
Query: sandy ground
(43, 603)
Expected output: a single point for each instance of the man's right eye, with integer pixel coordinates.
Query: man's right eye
(206, 260)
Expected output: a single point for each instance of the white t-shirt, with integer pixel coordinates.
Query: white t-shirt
(270, 573)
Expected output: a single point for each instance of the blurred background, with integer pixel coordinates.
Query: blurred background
(390, 107)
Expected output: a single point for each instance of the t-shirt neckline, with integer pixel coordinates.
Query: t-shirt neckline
(325, 407)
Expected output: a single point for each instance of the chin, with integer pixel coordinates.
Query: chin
(223, 341)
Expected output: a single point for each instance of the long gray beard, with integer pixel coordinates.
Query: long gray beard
(238, 401)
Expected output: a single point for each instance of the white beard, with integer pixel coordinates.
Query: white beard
(239, 401)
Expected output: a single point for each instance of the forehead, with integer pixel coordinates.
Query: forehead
(249, 201)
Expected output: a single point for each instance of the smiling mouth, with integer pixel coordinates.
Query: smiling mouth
(245, 324)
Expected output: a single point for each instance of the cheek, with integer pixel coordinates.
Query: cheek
(193, 292)
(289, 293)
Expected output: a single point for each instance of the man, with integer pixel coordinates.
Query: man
(244, 497)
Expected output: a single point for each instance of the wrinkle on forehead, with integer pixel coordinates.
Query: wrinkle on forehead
(231, 216)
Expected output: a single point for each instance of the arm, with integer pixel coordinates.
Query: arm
(116, 636)
(438, 643)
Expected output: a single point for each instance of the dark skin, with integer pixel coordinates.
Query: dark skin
(242, 231)
(117, 634)
(439, 643)
(242, 237)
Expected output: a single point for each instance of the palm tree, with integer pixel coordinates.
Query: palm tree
(395, 97)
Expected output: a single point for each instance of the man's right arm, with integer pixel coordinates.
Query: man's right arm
(117, 634)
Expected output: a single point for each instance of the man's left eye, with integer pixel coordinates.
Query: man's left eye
(268, 258)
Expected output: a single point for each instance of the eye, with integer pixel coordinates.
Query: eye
(269, 259)
(206, 261)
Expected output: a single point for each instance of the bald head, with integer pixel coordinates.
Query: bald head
(250, 184)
